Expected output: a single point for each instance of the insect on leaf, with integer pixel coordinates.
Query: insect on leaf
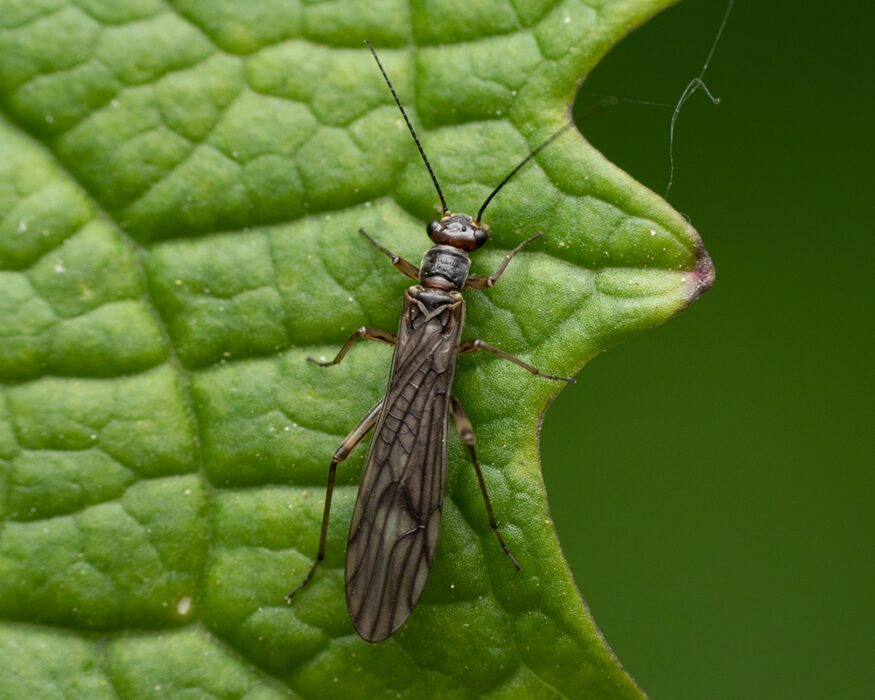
(181, 185)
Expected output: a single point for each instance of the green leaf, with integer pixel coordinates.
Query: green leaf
(180, 188)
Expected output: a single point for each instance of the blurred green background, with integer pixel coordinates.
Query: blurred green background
(711, 481)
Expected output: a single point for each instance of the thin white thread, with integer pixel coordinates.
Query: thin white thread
(697, 83)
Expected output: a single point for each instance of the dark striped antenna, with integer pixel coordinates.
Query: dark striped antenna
(513, 172)
(410, 127)
(595, 109)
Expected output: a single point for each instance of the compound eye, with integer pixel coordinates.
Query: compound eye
(480, 237)
(432, 228)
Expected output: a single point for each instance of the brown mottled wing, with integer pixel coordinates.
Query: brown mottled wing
(394, 530)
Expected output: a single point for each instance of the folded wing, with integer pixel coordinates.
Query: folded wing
(394, 530)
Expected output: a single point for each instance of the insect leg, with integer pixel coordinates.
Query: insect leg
(469, 346)
(466, 431)
(340, 454)
(365, 332)
(483, 282)
(408, 268)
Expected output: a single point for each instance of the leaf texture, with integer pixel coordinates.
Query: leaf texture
(180, 188)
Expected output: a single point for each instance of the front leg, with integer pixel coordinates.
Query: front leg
(469, 346)
(482, 282)
(407, 268)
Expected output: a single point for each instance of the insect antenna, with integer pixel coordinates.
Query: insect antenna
(410, 127)
(513, 172)
(593, 110)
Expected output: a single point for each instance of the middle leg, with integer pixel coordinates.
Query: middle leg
(469, 346)
(365, 332)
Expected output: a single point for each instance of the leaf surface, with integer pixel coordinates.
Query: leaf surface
(180, 188)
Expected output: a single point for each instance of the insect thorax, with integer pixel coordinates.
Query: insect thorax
(444, 267)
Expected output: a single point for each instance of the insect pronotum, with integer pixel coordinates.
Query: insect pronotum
(394, 530)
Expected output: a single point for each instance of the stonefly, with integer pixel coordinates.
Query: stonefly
(394, 531)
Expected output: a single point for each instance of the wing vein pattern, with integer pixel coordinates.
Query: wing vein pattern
(394, 529)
